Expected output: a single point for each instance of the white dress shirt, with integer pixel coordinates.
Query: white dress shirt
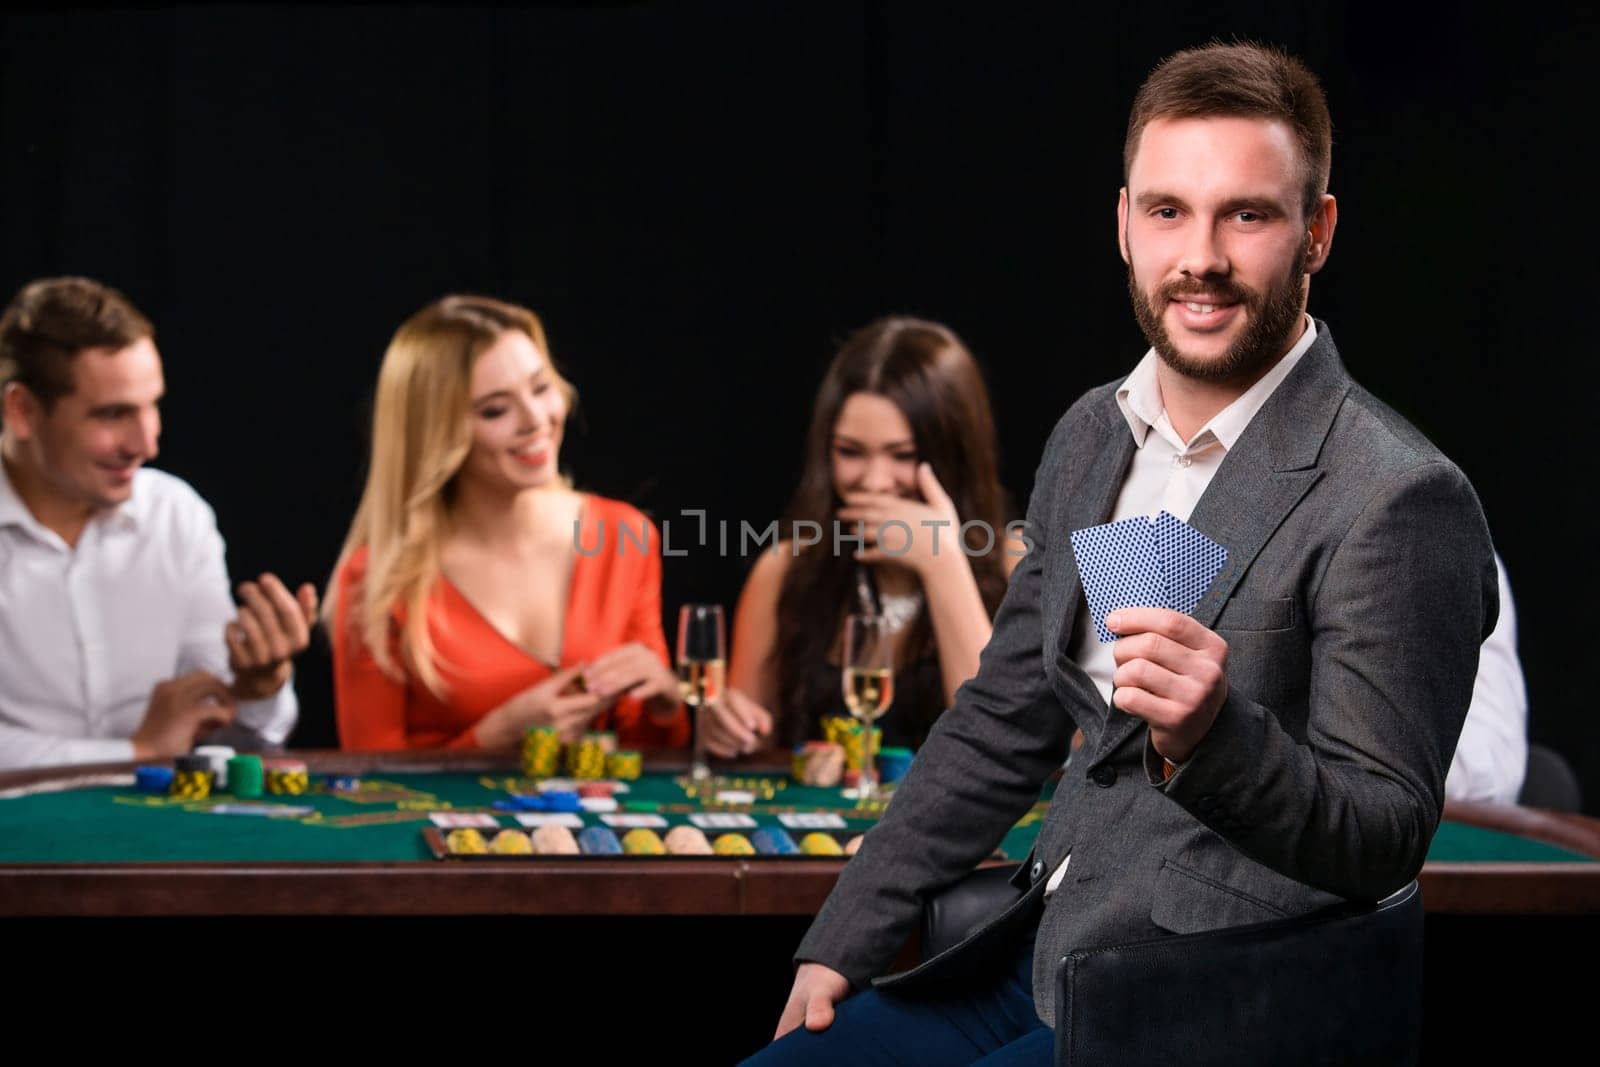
(86, 632)
(1492, 756)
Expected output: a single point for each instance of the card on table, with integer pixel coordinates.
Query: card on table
(722, 820)
(634, 822)
(456, 820)
(811, 820)
(535, 819)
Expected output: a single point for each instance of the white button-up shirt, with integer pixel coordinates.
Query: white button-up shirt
(87, 631)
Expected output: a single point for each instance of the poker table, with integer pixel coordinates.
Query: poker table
(80, 841)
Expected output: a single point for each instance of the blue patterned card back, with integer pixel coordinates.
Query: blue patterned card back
(1119, 567)
(1189, 561)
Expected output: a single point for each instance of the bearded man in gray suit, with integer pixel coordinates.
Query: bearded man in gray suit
(1281, 749)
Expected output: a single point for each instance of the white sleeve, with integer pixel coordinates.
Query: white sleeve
(1492, 755)
(21, 747)
(210, 608)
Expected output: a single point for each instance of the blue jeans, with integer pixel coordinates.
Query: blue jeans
(994, 1025)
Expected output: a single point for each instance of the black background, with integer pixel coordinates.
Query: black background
(701, 199)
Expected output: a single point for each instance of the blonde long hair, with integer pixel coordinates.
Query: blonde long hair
(421, 434)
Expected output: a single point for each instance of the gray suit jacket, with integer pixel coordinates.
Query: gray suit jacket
(1359, 586)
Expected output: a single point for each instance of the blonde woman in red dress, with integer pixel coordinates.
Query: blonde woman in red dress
(478, 594)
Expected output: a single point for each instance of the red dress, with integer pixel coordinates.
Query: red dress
(615, 598)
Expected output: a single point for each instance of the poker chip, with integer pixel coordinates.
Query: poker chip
(893, 763)
(152, 779)
(541, 752)
(687, 841)
(587, 758)
(560, 800)
(286, 776)
(642, 842)
(773, 841)
(340, 783)
(599, 841)
(627, 765)
(511, 843)
(466, 842)
(219, 755)
(245, 776)
(818, 843)
(553, 839)
(597, 789)
(731, 844)
(192, 778)
(852, 846)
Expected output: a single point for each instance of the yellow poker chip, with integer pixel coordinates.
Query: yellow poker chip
(733, 845)
(511, 843)
(817, 843)
(642, 842)
(466, 842)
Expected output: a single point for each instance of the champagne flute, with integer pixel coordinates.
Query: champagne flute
(868, 684)
(701, 668)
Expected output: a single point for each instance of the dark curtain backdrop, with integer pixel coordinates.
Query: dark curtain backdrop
(701, 199)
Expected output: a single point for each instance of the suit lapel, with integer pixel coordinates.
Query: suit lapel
(1265, 475)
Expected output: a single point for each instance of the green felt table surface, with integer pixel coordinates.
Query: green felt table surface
(384, 822)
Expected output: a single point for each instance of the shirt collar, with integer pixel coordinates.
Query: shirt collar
(1139, 396)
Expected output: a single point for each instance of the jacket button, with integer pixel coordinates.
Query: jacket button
(1104, 776)
(1038, 870)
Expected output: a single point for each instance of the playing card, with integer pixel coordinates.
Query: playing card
(1189, 561)
(1120, 567)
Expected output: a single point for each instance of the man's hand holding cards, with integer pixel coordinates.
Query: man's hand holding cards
(1142, 578)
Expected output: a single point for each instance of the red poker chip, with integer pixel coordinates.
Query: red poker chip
(597, 789)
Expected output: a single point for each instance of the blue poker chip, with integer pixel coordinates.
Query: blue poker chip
(153, 779)
(599, 841)
(773, 841)
(558, 800)
(341, 783)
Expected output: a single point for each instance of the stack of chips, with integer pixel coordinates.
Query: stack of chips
(287, 776)
(819, 763)
(893, 763)
(731, 844)
(642, 842)
(624, 764)
(587, 758)
(773, 841)
(553, 839)
(245, 776)
(853, 734)
(820, 844)
(219, 755)
(541, 752)
(191, 778)
(599, 841)
(511, 843)
(687, 841)
(153, 779)
(466, 842)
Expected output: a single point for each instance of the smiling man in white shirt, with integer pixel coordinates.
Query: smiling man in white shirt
(118, 638)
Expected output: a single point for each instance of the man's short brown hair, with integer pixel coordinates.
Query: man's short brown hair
(50, 321)
(1239, 81)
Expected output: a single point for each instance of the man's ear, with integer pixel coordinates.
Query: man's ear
(1122, 223)
(20, 410)
(1319, 233)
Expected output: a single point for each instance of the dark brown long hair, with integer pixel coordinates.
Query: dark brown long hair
(926, 372)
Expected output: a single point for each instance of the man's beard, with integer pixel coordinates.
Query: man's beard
(1271, 320)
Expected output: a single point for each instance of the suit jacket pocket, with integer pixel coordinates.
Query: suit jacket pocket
(1187, 902)
(1242, 614)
